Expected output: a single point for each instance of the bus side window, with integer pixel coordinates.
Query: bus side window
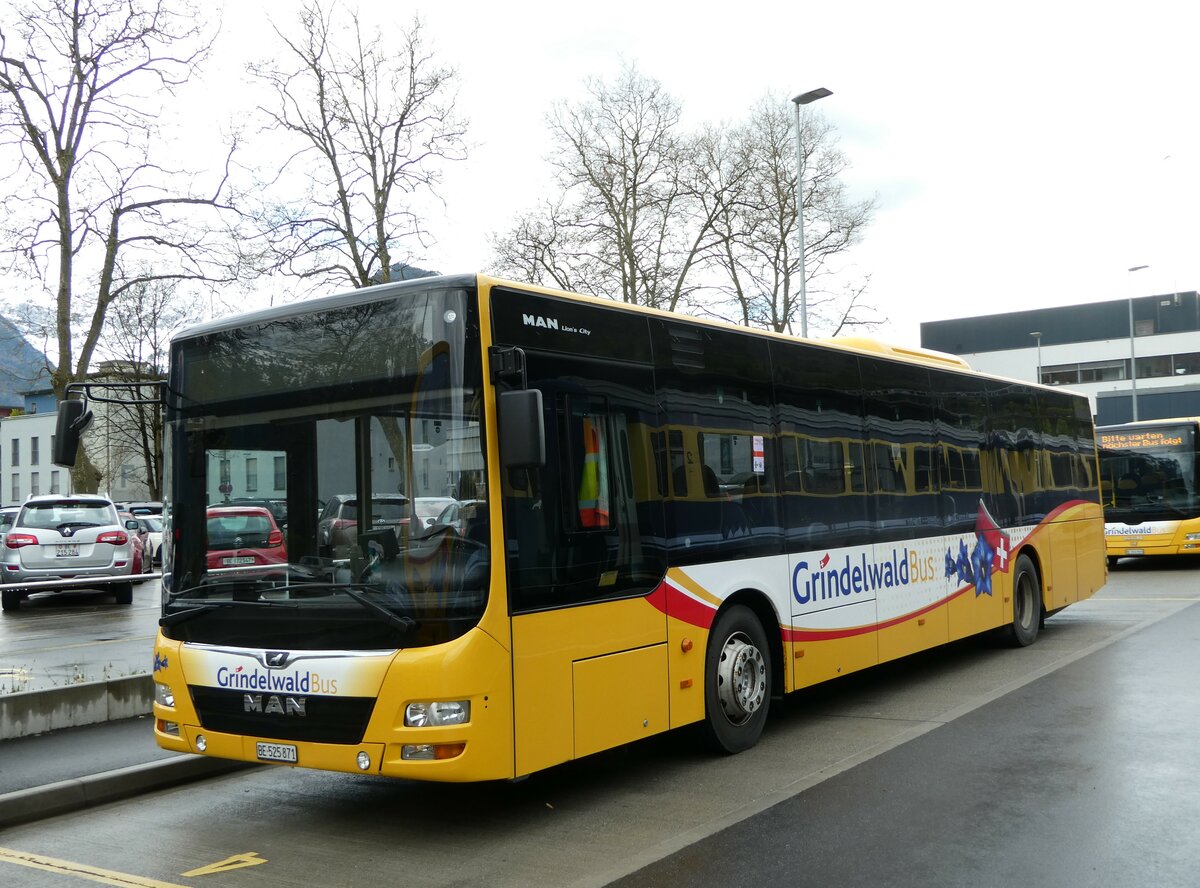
(588, 464)
(586, 526)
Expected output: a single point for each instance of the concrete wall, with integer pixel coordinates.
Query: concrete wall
(35, 712)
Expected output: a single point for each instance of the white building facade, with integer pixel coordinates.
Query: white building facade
(26, 454)
(1147, 369)
(26, 445)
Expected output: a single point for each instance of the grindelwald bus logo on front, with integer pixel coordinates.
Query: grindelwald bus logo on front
(294, 682)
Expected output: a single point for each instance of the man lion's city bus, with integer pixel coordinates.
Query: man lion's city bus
(1151, 505)
(650, 521)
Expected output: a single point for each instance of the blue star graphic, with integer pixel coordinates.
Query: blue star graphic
(982, 559)
(964, 564)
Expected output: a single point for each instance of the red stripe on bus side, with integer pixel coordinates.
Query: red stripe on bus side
(676, 604)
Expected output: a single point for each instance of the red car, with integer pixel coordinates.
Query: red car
(243, 536)
(141, 560)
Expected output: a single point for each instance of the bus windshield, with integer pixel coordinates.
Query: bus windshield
(1149, 473)
(302, 456)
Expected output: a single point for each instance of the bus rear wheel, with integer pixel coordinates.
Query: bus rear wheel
(1027, 603)
(737, 681)
(10, 599)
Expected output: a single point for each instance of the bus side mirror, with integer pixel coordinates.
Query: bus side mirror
(522, 429)
(73, 419)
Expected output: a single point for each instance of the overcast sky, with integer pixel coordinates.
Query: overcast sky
(1023, 154)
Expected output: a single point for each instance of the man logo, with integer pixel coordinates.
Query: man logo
(275, 705)
(539, 321)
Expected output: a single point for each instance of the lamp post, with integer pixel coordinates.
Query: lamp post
(1132, 354)
(1037, 335)
(803, 99)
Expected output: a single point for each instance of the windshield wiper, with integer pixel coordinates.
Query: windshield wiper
(391, 618)
(204, 589)
(183, 616)
(398, 621)
(60, 527)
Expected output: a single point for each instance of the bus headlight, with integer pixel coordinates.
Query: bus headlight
(426, 752)
(436, 715)
(163, 695)
(1192, 536)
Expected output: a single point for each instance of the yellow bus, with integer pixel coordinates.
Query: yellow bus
(1151, 504)
(652, 521)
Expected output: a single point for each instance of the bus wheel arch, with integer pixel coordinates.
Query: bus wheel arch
(741, 673)
(1028, 594)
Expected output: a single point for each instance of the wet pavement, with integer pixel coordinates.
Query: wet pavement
(70, 638)
(1071, 762)
(1087, 776)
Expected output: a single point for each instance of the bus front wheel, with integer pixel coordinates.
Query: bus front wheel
(737, 681)
(1027, 603)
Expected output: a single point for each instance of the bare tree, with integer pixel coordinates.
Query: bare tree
(624, 222)
(89, 213)
(706, 220)
(138, 334)
(758, 253)
(371, 119)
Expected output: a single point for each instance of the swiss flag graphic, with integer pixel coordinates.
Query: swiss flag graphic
(997, 540)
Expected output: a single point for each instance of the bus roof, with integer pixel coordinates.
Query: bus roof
(927, 357)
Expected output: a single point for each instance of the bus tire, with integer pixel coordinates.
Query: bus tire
(1112, 560)
(10, 599)
(124, 593)
(737, 681)
(1027, 603)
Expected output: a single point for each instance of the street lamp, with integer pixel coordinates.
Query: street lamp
(1037, 334)
(1132, 355)
(803, 99)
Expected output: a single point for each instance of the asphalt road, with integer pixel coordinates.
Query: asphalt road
(1089, 776)
(1068, 762)
(63, 638)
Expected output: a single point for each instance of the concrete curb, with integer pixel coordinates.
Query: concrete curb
(71, 706)
(38, 802)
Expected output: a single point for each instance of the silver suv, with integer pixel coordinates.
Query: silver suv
(66, 542)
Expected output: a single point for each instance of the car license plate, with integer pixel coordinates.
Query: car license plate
(239, 559)
(1135, 551)
(276, 752)
(66, 550)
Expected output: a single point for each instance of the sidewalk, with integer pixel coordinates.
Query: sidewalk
(77, 767)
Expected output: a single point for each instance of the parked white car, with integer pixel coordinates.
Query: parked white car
(7, 516)
(153, 526)
(429, 507)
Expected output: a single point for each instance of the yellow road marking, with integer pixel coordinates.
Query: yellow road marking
(79, 870)
(250, 858)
